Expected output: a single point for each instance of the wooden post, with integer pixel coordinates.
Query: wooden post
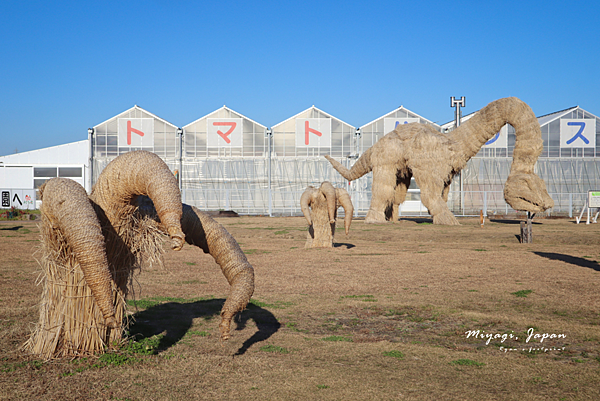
(526, 230)
(481, 220)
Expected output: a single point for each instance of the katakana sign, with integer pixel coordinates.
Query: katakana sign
(578, 133)
(136, 132)
(224, 132)
(389, 124)
(313, 132)
(500, 140)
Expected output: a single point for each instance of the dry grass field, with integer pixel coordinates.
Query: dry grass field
(384, 315)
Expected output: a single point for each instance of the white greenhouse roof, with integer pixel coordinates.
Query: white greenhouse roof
(136, 108)
(313, 107)
(70, 153)
(226, 109)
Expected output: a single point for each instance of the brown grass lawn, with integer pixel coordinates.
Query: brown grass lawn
(382, 316)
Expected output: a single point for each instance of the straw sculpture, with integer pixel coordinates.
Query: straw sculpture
(320, 210)
(434, 158)
(204, 232)
(91, 247)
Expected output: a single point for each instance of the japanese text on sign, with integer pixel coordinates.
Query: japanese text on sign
(389, 124)
(313, 132)
(578, 133)
(136, 132)
(224, 132)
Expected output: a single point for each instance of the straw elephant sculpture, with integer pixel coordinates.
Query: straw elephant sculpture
(91, 247)
(432, 158)
(319, 206)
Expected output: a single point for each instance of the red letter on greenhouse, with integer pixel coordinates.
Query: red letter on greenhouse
(130, 130)
(308, 130)
(231, 125)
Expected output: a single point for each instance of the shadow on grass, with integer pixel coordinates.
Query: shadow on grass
(515, 221)
(342, 244)
(590, 264)
(15, 228)
(175, 319)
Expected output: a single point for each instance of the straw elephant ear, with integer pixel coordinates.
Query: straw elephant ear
(307, 198)
(65, 205)
(140, 173)
(204, 232)
(344, 200)
(329, 191)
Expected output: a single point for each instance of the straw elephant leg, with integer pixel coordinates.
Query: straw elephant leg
(384, 191)
(402, 184)
(432, 196)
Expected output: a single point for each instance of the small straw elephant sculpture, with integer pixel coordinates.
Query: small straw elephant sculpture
(319, 207)
(91, 247)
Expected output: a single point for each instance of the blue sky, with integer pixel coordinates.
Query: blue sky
(66, 66)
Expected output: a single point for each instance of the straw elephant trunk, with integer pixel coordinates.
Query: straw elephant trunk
(66, 207)
(523, 189)
(204, 232)
(140, 173)
(362, 166)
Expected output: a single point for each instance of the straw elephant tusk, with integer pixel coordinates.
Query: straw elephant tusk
(65, 206)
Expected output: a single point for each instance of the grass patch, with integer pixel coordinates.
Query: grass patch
(276, 305)
(364, 298)
(154, 301)
(467, 362)
(394, 354)
(274, 348)
(255, 251)
(338, 338)
(322, 386)
(522, 293)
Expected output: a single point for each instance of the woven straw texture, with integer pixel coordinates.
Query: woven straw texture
(204, 232)
(434, 158)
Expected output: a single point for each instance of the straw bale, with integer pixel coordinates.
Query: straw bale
(434, 158)
(204, 232)
(79, 306)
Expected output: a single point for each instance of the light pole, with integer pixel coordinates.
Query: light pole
(179, 176)
(91, 158)
(457, 104)
(269, 136)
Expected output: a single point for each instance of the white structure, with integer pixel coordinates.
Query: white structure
(22, 174)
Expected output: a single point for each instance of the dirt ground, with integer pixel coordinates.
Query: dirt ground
(402, 311)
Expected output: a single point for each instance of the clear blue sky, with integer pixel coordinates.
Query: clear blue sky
(66, 65)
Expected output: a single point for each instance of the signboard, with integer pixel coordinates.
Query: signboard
(18, 198)
(224, 132)
(136, 132)
(500, 140)
(578, 133)
(593, 199)
(313, 132)
(389, 124)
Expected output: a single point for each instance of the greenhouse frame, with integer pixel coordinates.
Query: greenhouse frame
(227, 161)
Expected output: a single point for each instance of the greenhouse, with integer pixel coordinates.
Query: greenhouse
(227, 161)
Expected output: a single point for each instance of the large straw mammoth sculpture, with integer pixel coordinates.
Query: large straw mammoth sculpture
(92, 245)
(434, 158)
(319, 206)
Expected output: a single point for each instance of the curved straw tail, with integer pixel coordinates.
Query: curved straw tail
(344, 200)
(330, 196)
(204, 232)
(66, 205)
(306, 199)
(140, 173)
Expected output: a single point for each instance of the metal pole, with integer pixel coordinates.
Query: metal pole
(179, 176)
(91, 159)
(457, 104)
(269, 135)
